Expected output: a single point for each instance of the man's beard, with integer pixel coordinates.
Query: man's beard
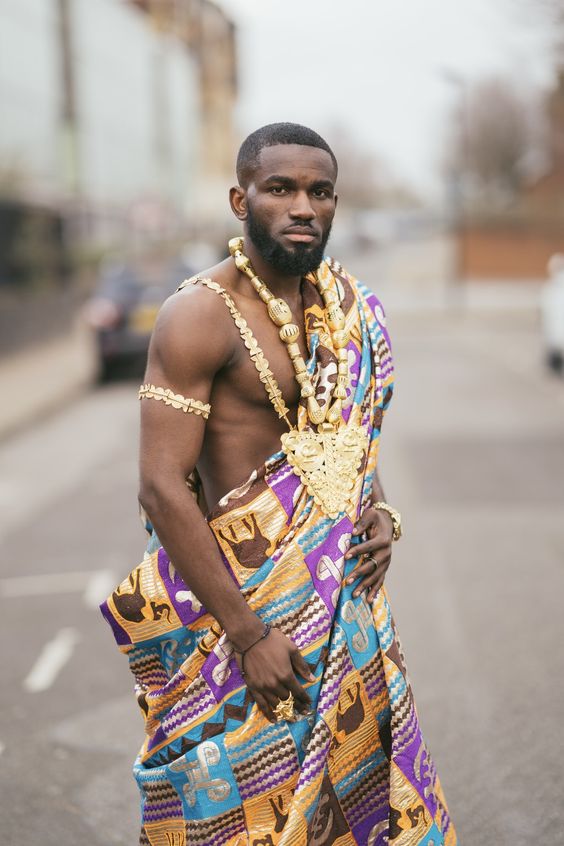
(297, 262)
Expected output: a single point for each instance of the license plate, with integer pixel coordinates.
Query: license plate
(142, 319)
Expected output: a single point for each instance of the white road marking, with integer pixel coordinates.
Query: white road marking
(51, 660)
(100, 584)
(2, 747)
(94, 585)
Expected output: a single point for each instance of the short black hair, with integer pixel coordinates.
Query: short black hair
(271, 135)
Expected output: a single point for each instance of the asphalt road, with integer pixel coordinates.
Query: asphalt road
(473, 456)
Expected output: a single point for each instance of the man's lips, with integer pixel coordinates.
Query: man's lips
(300, 234)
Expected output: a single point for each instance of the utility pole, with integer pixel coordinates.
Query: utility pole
(68, 112)
(456, 192)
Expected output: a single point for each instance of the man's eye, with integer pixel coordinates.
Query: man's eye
(321, 193)
(278, 190)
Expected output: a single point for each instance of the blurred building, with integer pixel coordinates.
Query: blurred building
(117, 128)
(211, 37)
(517, 242)
(116, 113)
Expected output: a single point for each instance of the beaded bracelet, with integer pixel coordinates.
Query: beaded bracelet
(243, 652)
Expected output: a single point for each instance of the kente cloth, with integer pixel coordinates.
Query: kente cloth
(212, 770)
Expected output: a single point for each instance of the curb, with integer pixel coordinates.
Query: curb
(38, 381)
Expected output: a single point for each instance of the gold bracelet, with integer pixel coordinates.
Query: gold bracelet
(187, 404)
(395, 515)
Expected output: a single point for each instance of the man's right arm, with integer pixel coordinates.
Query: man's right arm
(193, 339)
(186, 352)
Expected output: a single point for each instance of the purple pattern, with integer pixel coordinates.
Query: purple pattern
(173, 586)
(233, 682)
(266, 759)
(285, 484)
(121, 636)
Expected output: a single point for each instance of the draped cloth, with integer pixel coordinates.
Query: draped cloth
(212, 770)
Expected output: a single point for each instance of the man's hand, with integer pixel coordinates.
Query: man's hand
(376, 551)
(270, 673)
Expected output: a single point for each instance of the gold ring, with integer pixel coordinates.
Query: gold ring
(285, 709)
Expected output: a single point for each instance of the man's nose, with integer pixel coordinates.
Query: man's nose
(301, 207)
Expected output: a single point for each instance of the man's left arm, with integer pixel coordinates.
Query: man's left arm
(376, 551)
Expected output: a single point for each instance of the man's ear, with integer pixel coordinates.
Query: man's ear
(238, 202)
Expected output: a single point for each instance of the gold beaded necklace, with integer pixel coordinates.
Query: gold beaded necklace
(326, 460)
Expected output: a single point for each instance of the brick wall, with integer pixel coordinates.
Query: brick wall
(507, 252)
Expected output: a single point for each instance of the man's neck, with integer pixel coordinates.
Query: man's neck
(281, 285)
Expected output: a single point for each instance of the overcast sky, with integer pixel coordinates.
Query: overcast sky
(378, 66)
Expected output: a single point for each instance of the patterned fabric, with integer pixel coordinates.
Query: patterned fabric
(212, 769)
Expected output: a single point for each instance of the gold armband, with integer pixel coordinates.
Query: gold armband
(395, 515)
(187, 404)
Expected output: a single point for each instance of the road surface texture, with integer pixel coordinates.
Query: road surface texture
(473, 456)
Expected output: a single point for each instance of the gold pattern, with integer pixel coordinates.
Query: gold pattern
(187, 404)
(395, 515)
(257, 356)
(285, 709)
(326, 461)
(280, 313)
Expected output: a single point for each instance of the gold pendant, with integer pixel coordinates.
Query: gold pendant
(327, 463)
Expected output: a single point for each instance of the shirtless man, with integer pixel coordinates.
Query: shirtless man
(285, 201)
(308, 736)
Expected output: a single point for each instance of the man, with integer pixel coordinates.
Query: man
(267, 665)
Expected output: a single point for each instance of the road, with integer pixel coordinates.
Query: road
(473, 456)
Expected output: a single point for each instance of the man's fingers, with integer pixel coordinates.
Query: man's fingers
(371, 596)
(366, 518)
(278, 693)
(264, 706)
(301, 666)
(368, 546)
(366, 583)
(301, 697)
(364, 569)
(368, 567)
(376, 578)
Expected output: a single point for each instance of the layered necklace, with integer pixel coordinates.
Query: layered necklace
(326, 456)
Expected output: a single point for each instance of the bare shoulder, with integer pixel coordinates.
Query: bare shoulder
(193, 331)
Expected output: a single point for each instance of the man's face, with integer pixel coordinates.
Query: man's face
(290, 206)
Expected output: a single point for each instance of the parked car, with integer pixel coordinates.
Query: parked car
(552, 314)
(124, 307)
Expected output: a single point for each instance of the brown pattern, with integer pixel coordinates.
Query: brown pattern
(160, 798)
(339, 664)
(279, 811)
(349, 300)
(401, 710)
(132, 605)
(148, 670)
(369, 793)
(248, 544)
(301, 617)
(243, 496)
(203, 832)
(328, 822)
(263, 841)
(264, 762)
(351, 714)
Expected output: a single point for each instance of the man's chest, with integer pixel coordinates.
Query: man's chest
(261, 360)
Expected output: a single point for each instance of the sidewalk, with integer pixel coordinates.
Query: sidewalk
(35, 382)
